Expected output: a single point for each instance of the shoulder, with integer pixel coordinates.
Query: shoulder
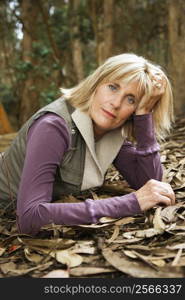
(50, 120)
(50, 124)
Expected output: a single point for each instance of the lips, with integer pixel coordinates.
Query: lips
(108, 113)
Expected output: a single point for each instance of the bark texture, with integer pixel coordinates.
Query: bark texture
(176, 30)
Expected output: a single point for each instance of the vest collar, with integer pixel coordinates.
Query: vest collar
(106, 149)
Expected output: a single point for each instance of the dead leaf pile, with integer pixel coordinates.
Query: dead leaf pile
(150, 245)
(173, 158)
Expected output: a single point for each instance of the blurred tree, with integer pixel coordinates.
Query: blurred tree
(176, 26)
(5, 45)
(29, 99)
(75, 38)
(108, 9)
(102, 16)
(8, 55)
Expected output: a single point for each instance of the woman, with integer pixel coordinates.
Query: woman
(66, 147)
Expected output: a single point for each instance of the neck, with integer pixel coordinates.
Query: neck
(98, 133)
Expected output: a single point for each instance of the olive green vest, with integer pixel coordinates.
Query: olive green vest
(69, 175)
(84, 164)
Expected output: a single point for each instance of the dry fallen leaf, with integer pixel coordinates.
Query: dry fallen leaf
(2, 250)
(57, 274)
(157, 220)
(158, 263)
(85, 247)
(177, 246)
(129, 253)
(95, 226)
(114, 235)
(45, 243)
(124, 221)
(31, 256)
(168, 213)
(107, 220)
(83, 271)
(8, 267)
(68, 258)
(145, 233)
(139, 269)
(177, 257)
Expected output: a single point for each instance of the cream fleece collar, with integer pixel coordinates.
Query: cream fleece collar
(102, 153)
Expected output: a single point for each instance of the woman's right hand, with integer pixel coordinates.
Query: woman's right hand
(147, 104)
(154, 193)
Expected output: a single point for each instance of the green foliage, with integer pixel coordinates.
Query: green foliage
(22, 69)
(86, 28)
(60, 27)
(49, 94)
(41, 50)
(6, 93)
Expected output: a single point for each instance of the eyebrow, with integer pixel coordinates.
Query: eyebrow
(117, 84)
(129, 94)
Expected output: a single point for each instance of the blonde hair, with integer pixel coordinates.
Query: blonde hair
(126, 67)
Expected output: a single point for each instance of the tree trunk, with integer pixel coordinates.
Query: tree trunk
(176, 29)
(5, 48)
(108, 27)
(102, 14)
(76, 44)
(29, 95)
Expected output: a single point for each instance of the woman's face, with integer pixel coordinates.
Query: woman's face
(113, 103)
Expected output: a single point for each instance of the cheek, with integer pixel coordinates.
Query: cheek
(94, 108)
(96, 101)
(125, 113)
(101, 97)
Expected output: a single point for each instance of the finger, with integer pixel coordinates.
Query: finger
(157, 78)
(159, 81)
(166, 190)
(170, 196)
(164, 200)
(170, 191)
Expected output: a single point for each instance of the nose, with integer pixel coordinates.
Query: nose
(116, 101)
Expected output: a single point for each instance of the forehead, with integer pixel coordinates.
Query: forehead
(127, 85)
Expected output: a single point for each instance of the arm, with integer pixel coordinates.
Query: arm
(141, 163)
(48, 140)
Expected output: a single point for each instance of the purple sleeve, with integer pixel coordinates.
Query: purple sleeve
(141, 163)
(48, 139)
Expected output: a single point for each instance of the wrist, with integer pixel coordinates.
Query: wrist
(144, 131)
(142, 112)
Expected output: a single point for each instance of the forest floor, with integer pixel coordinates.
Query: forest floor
(150, 245)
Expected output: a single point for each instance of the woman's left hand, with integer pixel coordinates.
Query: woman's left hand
(147, 103)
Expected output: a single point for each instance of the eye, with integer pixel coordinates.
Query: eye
(112, 87)
(131, 99)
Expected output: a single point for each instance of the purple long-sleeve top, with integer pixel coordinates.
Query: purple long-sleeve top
(47, 141)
